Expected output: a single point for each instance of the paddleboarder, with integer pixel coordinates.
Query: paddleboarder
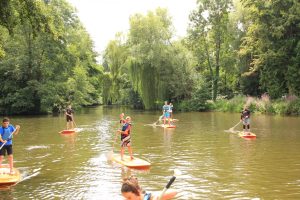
(6, 134)
(69, 117)
(126, 137)
(245, 118)
(166, 113)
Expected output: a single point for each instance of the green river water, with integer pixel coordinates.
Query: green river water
(215, 164)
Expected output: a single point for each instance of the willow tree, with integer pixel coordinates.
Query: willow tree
(115, 59)
(208, 34)
(149, 37)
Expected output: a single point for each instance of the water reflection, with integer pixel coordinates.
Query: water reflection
(215, 164)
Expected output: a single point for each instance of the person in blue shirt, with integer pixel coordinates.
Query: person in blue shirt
(166, 113)
(6, 134)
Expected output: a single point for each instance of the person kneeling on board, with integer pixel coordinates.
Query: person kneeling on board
(245, 117)
(131, 190)
(6, 133)
(125, 137)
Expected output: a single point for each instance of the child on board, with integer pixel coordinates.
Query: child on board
(166, 113)
(126, 137)
(245, 118)
(6, 134)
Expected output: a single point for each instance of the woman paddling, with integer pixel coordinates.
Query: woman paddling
(132, 191)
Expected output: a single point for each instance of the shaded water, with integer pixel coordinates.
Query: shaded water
(215, 164)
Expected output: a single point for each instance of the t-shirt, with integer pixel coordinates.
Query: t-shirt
(166, 108)
(6, 134)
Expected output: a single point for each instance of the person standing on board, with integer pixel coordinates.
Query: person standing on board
(6, 134)
(126, 137)
(245, 117)
(69, 117)
(166, 113)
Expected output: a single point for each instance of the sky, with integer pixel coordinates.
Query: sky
(104, 18)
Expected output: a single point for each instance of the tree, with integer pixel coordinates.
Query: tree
(208, 34)
(272, 40)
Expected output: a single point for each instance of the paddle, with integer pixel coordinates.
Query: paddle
(232, 128)
(111, 153)
(74, 122)
(7, 138)
(160, 117)
(176, 173)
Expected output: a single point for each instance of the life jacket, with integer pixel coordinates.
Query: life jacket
(147, 196)
(124, 128)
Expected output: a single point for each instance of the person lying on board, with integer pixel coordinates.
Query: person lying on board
(131, 190)
(6, 133)
(125, 137)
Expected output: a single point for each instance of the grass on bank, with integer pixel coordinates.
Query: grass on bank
(289, 105)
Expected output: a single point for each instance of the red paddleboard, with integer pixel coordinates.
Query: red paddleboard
(7, 179)
(247, 135)
(67, 131)
(168, 126)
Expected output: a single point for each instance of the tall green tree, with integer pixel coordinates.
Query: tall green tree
(115, 57)
(208, 35)
(273, 40)
(42, 73)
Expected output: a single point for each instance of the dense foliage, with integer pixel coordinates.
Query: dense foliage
(233, 49)
(47, 59)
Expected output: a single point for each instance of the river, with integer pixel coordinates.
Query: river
(215, 164)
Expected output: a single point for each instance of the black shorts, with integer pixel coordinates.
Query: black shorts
(6, 148)
(69, 119)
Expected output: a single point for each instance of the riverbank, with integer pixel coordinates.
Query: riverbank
(289, 105)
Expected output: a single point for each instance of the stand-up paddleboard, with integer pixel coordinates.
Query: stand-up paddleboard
(168, 126)
(171, 120)
(7, 179)
(247, 135)
(70, 131)
(136, 163)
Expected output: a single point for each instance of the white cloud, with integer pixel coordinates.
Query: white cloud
(104, 18)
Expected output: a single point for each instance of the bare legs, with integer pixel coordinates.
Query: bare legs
(129, 150)
(10, 162)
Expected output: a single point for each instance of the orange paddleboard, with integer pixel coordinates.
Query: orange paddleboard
(67, 131)
(247, 135)
(168, 126)
(7, 179)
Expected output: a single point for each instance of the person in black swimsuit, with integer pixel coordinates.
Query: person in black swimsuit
(69, 117)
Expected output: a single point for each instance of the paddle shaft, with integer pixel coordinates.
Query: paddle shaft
(235, 125)
(113, 146)
(167, 187)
